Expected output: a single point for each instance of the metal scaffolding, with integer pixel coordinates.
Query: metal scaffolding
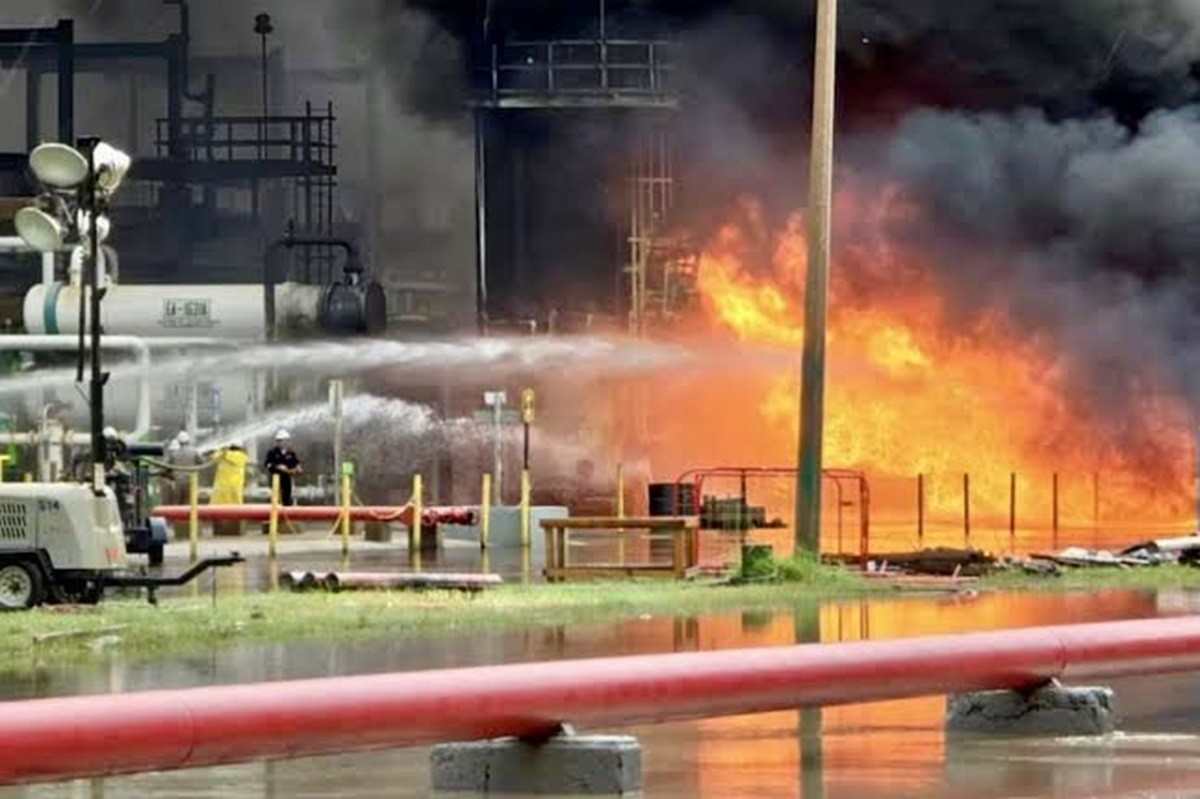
(652, 195)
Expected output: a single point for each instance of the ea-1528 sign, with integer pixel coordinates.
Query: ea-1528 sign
(187, 314)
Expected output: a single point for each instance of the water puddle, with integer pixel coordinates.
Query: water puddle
(883, 749)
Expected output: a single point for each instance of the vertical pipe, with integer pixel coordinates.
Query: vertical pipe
(837, 485)
(481, 242)
(920, 511)
(66, 81)
(33, 105)
(620, 491)
(967, 510)
(621, 513)
(1054, 512)
(336, 402)
(194, 516)
(262, 125)
(498, 452)
(99, 378)
(1012, 514)
(345, 514)
(520, 258)
(604, 44)
(526, 489)
(485, 513)
(273, 523)
(418, 508)
(864, 514)
(812, 389)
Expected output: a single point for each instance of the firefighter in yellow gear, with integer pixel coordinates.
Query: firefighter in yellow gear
(229, 485)
(229, 482)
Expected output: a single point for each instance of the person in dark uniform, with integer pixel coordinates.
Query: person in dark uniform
(283, 461)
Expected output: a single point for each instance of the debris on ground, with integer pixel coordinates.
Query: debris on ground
(940, 562)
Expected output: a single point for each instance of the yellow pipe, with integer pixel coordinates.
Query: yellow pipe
(525, 491)
(194, 516)
(346, 515)
(485, 513)
(273, 524)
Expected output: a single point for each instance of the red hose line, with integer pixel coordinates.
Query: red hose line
(91, 736)
(313, 513)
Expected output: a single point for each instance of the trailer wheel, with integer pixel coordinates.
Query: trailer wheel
(20, 586)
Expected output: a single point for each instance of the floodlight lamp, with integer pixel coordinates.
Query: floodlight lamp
(40, 230)
(58, 165)
(111, 167)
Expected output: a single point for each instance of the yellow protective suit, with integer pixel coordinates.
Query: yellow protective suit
(229, 482)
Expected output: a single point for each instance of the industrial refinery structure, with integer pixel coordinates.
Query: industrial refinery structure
(236, 227)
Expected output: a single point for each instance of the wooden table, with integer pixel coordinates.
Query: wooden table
(558, 534)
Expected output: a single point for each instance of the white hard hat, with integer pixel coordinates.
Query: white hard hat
(238, 443)
(282, 435)
(184, 437)
(174, 446)
(110, 432)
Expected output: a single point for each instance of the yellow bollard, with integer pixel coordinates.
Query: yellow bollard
(273, 524)
(621, 513)
(3, 460)
(485, 514)
(194, 516)
(345, 515)
(414, 535)
(526, 488)
(28, 478)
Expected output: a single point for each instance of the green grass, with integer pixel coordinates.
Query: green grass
(136, 630)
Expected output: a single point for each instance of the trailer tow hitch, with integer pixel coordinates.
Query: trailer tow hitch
(152, 584)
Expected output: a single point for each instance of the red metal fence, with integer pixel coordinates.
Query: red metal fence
(93, 736)
(994, 512)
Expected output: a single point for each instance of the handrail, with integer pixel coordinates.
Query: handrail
(697, 477)
(97, 736)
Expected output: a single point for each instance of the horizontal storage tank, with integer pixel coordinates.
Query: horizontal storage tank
(211, 311)
(225, 399)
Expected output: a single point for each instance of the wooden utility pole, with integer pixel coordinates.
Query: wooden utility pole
(820, 207)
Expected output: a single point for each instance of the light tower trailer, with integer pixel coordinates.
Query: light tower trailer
(63, 543)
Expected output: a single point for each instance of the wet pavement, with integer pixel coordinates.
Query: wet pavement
(884, 749)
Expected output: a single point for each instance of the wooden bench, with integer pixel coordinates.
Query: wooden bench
(558, 532)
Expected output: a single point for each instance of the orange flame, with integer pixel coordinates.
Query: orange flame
(914, 389)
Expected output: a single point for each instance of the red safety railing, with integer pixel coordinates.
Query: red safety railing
(314, 513)
(94, 736)
(839, 478)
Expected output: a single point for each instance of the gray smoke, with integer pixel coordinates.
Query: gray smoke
(1085, 232)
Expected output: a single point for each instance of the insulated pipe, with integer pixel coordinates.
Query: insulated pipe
(140, 347)
(314, 513)
(96, 736)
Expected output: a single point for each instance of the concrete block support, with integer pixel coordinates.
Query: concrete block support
(1050, 711)
(569, 765)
